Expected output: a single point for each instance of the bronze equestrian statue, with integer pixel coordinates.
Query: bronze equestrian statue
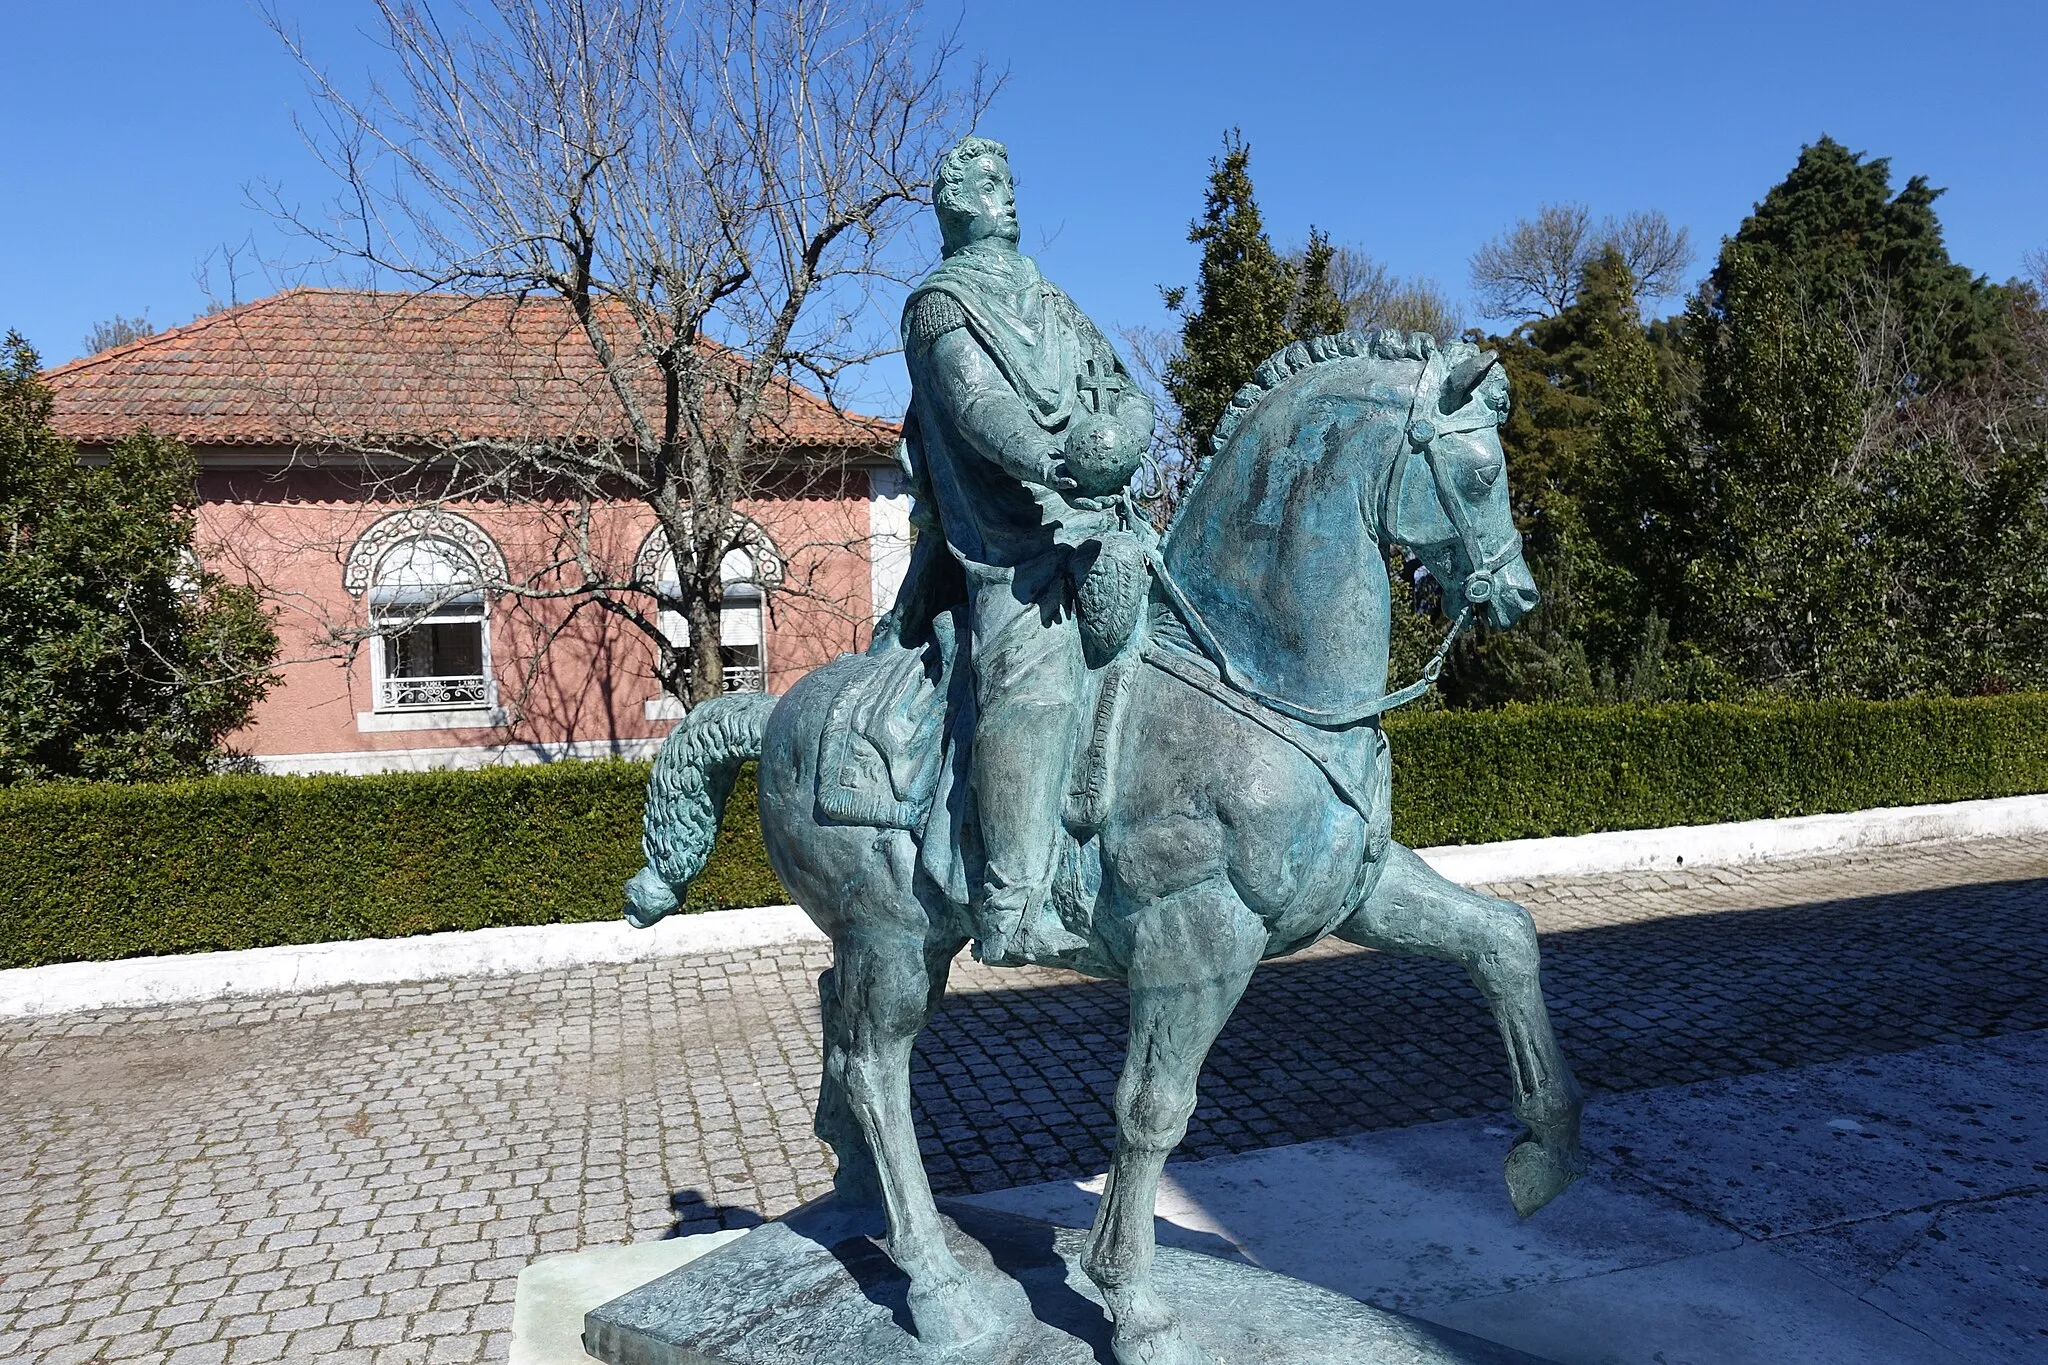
(1153, 760)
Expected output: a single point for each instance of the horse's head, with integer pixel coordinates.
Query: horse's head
(1447, 492)
(1337, 449)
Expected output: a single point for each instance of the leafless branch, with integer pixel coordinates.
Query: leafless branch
(1533, 270)
(709, 191)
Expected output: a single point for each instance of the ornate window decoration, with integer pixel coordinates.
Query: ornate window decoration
(756, 562)
(746, 572)
(371, 547)
(425, 572)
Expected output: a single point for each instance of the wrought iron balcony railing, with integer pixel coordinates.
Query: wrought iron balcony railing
(743, 678)
(435, 694)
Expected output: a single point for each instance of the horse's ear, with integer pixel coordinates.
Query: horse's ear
(1463, 381)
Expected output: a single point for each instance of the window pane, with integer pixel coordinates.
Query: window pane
(458, 649)
(739, 621)
(426, 571)
(443, 650)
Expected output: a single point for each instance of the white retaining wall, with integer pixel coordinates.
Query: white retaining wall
(194, 977)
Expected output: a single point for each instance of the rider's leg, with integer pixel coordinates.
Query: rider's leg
(1413, 909)
(1191, 954)
(1028, 691)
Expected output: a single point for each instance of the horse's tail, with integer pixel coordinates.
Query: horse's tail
(686, 795)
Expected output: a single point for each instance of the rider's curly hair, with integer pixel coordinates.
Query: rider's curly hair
(954, 168)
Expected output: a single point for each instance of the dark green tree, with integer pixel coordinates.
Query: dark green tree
(1820, 480)
(1244, 300)
(1602, 616)
(1318, 311)
(120, 657)
(1851, 249)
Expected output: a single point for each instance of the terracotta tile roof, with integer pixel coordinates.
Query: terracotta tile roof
(339, 368)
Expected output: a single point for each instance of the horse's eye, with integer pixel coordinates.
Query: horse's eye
(1484, 472)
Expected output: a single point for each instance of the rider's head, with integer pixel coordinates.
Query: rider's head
(974, 196)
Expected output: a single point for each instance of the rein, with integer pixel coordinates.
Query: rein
(1422, 433)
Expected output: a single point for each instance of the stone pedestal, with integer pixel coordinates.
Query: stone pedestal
(815, 1287)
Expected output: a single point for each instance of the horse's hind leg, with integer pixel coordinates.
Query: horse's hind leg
(857, 1181)
(882, 990)
(1415, 910)
(1194, 951)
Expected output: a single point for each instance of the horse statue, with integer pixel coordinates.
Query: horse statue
(1239, 805)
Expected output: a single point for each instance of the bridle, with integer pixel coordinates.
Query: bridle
(1423, 431)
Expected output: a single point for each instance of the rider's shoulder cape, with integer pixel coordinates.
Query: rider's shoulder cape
(1027, 326)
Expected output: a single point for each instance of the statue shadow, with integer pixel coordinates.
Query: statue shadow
(1013, 1084)
(695, 1213)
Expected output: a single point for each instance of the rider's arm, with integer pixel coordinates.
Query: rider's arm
(977, 397)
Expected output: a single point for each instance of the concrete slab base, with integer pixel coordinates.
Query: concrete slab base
(1878, 1211)
(555, 1293)
(816, 1287)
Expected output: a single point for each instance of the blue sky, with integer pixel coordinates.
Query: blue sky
(1414, 131)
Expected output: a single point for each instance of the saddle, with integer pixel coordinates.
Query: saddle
(894, 755)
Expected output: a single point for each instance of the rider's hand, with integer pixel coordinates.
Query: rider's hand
(1053, 474)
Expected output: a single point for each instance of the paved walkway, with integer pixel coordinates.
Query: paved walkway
(359, 1175)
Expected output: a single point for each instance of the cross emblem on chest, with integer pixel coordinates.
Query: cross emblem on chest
(1100, 383)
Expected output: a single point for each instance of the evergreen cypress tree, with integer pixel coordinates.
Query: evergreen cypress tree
(1787, 587)
(1317, 309)
(1244, 298)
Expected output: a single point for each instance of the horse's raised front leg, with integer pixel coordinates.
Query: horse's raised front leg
(1192, 955)
(883, 985)
(1415, 910)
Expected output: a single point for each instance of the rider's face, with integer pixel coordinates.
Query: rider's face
(987, 201)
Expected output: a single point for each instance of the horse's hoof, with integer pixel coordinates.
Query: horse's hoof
(1538, 1173)
(1165, 1344)
(954, 1312)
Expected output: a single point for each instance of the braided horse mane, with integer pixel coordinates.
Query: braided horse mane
(1297, 356)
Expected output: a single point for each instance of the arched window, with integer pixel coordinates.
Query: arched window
(744, 573)
(424, 573)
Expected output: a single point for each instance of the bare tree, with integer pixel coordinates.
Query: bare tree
(1656, 254)
(1533, 270)
(711, 191)
(117, 331)
(1375, 298)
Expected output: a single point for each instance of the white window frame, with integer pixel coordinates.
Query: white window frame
(758, 569)
(389, 621)
(383, 685)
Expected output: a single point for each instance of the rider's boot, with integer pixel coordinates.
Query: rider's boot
(1017, 924)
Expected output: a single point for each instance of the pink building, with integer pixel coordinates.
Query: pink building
(396, 653)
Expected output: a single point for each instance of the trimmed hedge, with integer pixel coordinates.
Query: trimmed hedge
(99, 872)
(1463, 777)
(104, 871)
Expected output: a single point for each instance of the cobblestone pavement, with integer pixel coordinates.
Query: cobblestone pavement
(359, 1175)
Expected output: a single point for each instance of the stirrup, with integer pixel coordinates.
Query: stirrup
(1039, 935)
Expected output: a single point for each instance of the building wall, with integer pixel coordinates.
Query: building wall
(570, 680)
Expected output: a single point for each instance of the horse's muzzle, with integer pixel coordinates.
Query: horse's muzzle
(1514, 595)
